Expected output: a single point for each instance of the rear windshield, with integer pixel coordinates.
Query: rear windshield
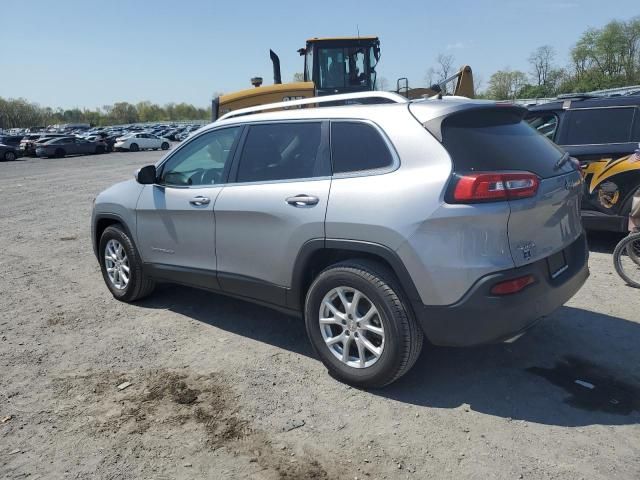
(498, 139)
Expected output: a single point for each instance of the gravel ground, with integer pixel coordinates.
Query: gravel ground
(224, 389)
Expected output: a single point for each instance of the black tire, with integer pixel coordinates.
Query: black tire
(9, 156)
(99, 149)
(139, 285)
(134, 147)
(630, 242)
(165, 146)
(60, 153)
(403, 337)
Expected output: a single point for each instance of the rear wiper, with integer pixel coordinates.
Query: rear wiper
(562, 160)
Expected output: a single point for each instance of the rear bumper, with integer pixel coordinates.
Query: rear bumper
(592, 220)
(480, 317)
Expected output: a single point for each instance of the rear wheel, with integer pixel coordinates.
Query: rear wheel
(122, 267)
(359, 324)
(100, 149)
(165, 146)
(626, 259)
(134, 147)
(9, 156)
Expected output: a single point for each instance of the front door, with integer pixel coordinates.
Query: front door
(275, 202)
(175, 221)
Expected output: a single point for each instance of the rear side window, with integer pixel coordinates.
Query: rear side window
(599, 125)
(498, 139)
(546, 124)
(282, 151)
(357, 146)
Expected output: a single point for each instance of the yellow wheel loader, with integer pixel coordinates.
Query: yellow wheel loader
(331, 66)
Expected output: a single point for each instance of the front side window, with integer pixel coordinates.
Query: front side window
(282, 151)
(599, 126)
(202, 161)
(357, 146)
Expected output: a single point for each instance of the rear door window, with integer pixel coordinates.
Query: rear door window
(282, 151)
(595, 126)
(358, 146)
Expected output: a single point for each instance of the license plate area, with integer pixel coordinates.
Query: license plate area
(557, 264)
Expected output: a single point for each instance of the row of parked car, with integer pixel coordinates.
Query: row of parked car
(83, 141)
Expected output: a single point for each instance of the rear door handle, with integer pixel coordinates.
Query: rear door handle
(303, 200)
(199, 201)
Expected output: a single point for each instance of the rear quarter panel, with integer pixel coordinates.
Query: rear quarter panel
(445, 248)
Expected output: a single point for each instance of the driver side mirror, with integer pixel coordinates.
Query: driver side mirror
(146, 175)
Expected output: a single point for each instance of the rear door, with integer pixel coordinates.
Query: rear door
(496, 140)
(276, 201)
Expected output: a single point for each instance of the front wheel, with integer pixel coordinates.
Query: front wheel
(165, 146)
(360, 325)
(122, 266)
(134, 147)
(9, 156)
(626, 259)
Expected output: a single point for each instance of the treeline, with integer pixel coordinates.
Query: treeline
(19, 113)
(607, 57)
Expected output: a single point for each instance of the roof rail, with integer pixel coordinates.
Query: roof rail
(578, 96)
(386, 97)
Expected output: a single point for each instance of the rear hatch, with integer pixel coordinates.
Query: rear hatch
(492, 138)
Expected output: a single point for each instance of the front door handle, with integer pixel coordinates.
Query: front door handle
(199, 201)
(303, 200)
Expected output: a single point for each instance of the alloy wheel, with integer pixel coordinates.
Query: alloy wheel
(116, 263)
(352, 327)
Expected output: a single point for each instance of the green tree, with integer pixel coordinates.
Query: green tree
(506, 84)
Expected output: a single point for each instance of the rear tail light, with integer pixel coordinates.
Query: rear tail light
(493, 187)
(512, 286)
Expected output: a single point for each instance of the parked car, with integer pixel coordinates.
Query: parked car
(380, 224)
(602, 133)
(13, 140)
(29, 143)
(103, 139)
(61, 147)
(141, 141)
(8, 152)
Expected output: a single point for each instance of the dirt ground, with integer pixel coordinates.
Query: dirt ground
(222, 389)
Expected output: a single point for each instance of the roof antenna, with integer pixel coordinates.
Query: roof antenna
(358, 29)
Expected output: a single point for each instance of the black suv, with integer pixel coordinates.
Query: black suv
(603, 133)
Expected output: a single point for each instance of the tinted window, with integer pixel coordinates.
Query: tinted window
(599, 125)
(201, 161)
(635, 135)
(498, 139)
(282, 151)
(356, 147)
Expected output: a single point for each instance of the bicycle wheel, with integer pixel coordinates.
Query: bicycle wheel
(626, 259)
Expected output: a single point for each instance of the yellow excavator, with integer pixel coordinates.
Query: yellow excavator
(332, 66)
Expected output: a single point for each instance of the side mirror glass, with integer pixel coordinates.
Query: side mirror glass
(146, 175)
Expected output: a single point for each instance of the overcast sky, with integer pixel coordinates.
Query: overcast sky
(72, 53)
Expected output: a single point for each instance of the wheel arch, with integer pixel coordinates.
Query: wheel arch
(317, 254)
(101, 223)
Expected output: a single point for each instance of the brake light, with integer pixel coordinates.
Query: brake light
(512, 286)
(493, 187)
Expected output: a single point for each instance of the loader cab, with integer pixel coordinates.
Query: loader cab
(341, 65)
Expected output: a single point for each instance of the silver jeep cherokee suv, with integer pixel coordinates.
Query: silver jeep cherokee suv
(380, 224)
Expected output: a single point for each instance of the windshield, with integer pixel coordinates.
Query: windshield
(344, 68)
